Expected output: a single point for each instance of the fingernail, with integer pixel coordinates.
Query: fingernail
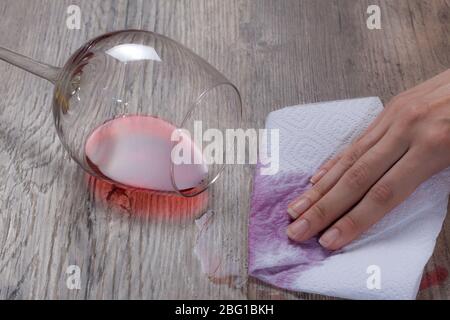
(296, 208)
(298, 228)
(318, 176)
(329, 237)
(292, 213)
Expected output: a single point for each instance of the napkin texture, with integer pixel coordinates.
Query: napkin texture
(386, 262)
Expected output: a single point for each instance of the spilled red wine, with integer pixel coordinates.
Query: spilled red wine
(135, 151)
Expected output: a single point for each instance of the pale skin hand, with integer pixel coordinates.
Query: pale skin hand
(408, 143)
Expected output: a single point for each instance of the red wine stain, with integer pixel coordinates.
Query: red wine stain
(146, 203)
(434, 278)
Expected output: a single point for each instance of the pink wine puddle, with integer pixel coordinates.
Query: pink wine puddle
(144, 203)
(135, 151)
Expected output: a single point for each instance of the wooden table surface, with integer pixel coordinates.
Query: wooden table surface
(136, 245)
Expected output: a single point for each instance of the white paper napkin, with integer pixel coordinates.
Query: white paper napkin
(386, 262)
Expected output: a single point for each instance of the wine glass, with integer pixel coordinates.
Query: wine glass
(125, 100)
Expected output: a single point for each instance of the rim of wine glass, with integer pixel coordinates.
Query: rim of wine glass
(201, 188)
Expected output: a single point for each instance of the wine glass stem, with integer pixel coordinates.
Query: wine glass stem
(40, 69)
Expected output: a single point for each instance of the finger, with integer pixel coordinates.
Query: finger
(381, 117)
(371, 136)
(319, 189)
(330, 178)
(350, 188)
(385, 195)
(325, 168)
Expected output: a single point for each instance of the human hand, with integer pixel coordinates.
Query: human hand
(407, 143)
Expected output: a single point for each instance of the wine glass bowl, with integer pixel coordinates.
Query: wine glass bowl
(120, 97)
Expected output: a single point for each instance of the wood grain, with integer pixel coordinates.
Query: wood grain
(129, 245)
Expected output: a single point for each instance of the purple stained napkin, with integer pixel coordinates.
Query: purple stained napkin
(273, 257)
(384, 263)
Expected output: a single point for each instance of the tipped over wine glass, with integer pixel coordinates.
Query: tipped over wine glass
(119, 99)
